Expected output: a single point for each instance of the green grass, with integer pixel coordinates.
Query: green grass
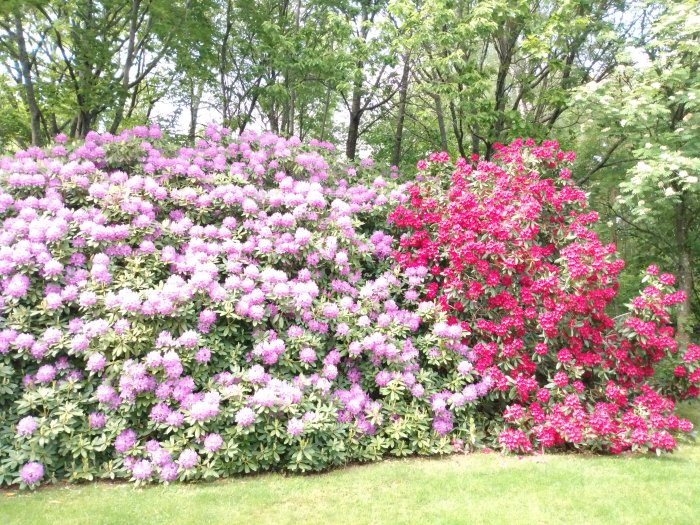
(477, 488)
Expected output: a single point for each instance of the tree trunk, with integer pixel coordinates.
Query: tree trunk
(292, 89)
(302, 130)
(685, 269)
(128, 63)
(500, 105)
(353, 135)
(195, 100)
(273, 117)
(440, 114)
(54, 125)
(612, 199)
(403, 92)
(356, 105)
(223, 66)
(284, 126)
(326, 110)
(74, 127)
(85, 121)
(456, 127)
(292, 112)
(355, 116)
(505, 46)
(29, 93)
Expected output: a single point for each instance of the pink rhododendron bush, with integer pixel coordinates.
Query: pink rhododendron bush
(254, 303)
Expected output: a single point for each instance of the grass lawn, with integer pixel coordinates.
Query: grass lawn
(477, 488)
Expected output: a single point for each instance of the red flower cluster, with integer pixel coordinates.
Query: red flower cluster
(513, 258)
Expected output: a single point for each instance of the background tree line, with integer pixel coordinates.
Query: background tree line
(616, 80)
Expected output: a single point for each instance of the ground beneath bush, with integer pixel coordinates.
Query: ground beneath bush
(478, 488)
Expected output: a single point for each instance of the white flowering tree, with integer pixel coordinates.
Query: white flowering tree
(648, 112)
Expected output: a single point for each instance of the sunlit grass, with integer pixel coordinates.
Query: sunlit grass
(477, 488)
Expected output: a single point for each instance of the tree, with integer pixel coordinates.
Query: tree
(648, 113)
(495, 70)
(82, 64)
(369, 85)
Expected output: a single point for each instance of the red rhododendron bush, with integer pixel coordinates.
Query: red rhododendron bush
(514, 261)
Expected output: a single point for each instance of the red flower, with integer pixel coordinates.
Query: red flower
(679, 371)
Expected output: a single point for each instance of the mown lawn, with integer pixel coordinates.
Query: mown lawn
(478, 488)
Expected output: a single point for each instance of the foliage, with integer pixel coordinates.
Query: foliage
(80, 64)
(648, 110)
(550, 489)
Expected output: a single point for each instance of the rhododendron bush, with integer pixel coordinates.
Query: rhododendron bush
(254, 303)
(514, 262)
(208, 311)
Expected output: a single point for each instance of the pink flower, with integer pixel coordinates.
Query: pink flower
(203, 355)
(560, 379)
(307, 355)
(46, 374)
(97, 420)
(142, 469)
(667, 279)
(17, 286)
(213, 442)
(31, 473)
(125, 440)
(245, 417)
(96, 362)
(26, 426)
(188, 458)
(295, 427)
(515, 440)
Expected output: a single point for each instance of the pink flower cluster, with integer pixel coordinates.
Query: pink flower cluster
(246, 280)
